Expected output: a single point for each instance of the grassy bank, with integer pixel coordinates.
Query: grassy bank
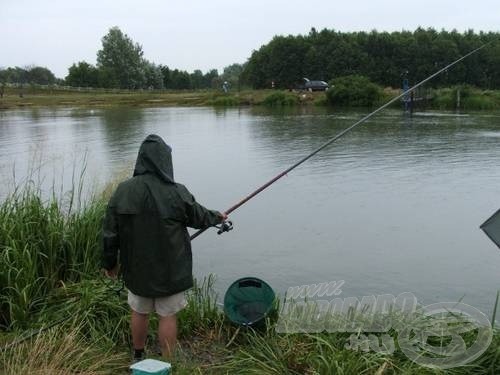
(49, 253)
(452, 98)
(35, 97)
(465, 98)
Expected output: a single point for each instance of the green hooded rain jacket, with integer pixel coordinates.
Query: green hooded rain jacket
(146, 222)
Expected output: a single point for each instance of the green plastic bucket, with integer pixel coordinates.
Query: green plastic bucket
(248, 301)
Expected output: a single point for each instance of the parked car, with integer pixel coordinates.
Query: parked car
(313, 85)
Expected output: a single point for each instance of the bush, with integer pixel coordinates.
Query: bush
(280, 98)
(471, 98)
(444, 98)
(353, 90)
(225, 101)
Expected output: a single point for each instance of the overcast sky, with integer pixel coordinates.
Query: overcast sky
(191, 34)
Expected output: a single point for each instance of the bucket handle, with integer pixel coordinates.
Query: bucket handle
(249, 283)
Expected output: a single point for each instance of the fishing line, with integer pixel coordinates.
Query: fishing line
(340, 135)
(228, 226)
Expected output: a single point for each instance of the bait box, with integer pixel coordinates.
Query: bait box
(151, 367)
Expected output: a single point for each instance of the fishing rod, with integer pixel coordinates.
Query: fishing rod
(227, 225)
(338, 136)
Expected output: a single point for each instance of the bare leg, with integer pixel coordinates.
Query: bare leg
(167, 334)
(139, 327)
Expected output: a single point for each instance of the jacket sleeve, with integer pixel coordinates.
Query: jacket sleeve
(110, 238)
(199, 217)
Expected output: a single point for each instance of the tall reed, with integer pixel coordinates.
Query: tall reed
(41, 245)
(62, 351)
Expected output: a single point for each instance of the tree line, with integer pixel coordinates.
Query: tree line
(30, 74)
(120, 64)
(385, 58)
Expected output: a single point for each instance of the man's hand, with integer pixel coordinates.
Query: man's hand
(112, 273)
(224, 216)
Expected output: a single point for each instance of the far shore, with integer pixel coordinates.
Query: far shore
(443, 99)
(88, 97)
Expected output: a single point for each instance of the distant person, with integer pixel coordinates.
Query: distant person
(225, 86)
(145, 224)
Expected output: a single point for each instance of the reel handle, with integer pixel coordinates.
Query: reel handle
(225, 226)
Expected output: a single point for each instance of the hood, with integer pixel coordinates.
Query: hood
(155, 157)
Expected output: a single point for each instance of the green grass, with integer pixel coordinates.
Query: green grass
(224, 101)
(43, 245)
(35, 97)
(49, 252)
(444, 98)
(280, 98)
(61, 351)
(471, 98)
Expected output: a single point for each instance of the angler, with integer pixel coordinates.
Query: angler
(146, 223)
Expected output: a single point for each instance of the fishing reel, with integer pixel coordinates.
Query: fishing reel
(225, 226)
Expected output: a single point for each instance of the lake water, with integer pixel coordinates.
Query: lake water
(394, 206)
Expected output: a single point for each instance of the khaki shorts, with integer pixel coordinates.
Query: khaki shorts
(164, 306)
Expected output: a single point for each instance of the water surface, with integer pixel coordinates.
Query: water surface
(394, 206)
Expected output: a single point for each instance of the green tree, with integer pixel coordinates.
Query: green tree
(232, 73)
(122, 59)
(106, 77)
(281, 62)
(197, 81)
(3, 76)
(165, 72)
(15, 75)
(154, 76)
(180, 80)
(492, 73)
(211, 79)
(82, 74)
(30, 74)
(381, 56)
(40, 75)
